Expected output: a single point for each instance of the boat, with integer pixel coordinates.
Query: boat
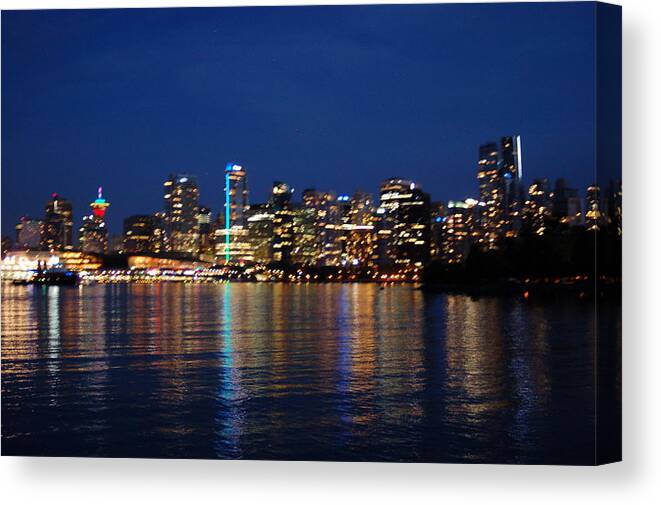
(56, 275)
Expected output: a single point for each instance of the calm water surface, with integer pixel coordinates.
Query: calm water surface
(275, 371)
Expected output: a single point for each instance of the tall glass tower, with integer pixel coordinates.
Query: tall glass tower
(232, 240)
(181, 205)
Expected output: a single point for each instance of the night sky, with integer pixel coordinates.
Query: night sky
(328, 97)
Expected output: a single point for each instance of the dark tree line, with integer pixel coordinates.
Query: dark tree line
(562, 252)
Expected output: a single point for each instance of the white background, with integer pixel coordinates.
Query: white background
(67, 480)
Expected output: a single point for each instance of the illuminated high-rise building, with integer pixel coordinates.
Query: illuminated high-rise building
(566, 204)
(28, 233)
(309, 228)
(160, 239)
(403, 236)
(436, 225)
(181, 205)
(283, 222)
(457, 229)
(260, 231)
(307, 242)
(141, 234)
(357, 229)
(492, 194)
(204, 228)
(93, 234)
(511, 173)
(232, 238)
(236, 194)
(57, 231)
(537, 207)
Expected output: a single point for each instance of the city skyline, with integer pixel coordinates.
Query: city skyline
(401, 229)
(297, 195)
(126, 139)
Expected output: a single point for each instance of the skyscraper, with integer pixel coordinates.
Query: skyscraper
(511, 173)
(236, 194)
(456, 232)
(283, 221)
(491, 193)
(537, 207)
(204, 231)
(232, 240)
(357, 226)
(57, 232)
(566, 204)
(260, 231)
(403, 224)
(94, 233)
(436, 225)
(181, 205)
(140, 235)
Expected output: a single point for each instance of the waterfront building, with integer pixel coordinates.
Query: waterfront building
(141, 234)
(283, 221)
(310, 221)
(260, 231)
(511, 174)
(236, 194)
(93, 234)
(21, 265)
(161, 240)
(403, 237)
(436, 224)
(330, 228)
(232, 236)
(566, 204)
(537, 207)
(181, 206)
(457, 230)
(306, 250)
(57, 231)
(492, 194)
(28, 233)
(357, 229)
(205, 249)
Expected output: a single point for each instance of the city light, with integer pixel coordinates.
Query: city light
(321, 238)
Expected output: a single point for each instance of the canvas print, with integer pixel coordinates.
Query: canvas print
(384, 233)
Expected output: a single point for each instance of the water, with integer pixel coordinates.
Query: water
(276, 371)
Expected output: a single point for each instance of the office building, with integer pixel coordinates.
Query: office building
(57, 231)
(142, 234)
(566, 204)
(492, 194)
(283, 222)
(232, 238)
(181, 206)
(402, 225)
(537, 207)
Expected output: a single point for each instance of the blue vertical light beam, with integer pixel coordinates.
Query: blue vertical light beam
(227, 216)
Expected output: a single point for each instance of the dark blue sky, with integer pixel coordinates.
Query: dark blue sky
(331, 97)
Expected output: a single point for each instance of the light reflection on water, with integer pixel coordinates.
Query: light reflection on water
(276, 371)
